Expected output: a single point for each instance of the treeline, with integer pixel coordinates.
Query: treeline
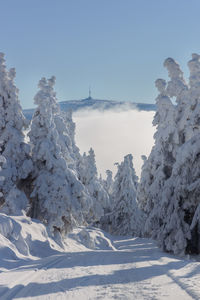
(44, 176)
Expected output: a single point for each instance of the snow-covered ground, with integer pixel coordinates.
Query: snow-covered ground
(90, 265)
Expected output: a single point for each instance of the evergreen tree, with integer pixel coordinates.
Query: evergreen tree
(89, 177)
(158, 167)
(124, 219)
(58, 196)
(12, 124)
(2, 162)
(173, 219)
(178, 89)
(180, 200)
(108, 182)
(73, 149)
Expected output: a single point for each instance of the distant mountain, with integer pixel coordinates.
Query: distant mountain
(90, 103)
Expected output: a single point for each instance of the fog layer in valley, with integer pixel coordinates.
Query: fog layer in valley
(113, 134)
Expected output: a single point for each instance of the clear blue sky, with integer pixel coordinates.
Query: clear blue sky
(117, 46)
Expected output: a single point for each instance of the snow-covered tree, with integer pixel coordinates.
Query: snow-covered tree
(73, 149)
(180, 198)
(108, 182)
(177, 83)
(192, 107)
(124, 218)
(89, 177)
(172, 207)
(16, 203)
(58, 196)
(12, 124)
(178, 89)
(2, 162)
(63, 124)
(158, 167)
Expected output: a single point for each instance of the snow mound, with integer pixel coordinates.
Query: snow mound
(22, 238)
(92, 238)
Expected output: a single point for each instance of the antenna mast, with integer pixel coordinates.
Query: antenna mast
(90, 92)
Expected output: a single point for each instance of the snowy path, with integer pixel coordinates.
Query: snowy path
(137, 269)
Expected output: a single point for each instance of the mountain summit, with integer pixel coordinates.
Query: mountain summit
(91, 103)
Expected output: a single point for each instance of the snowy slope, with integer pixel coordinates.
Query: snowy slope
(115, 268)
(90, 103)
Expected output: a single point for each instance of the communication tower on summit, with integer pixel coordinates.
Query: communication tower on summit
(90, 93)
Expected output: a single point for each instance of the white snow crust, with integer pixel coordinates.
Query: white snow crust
(90, 264)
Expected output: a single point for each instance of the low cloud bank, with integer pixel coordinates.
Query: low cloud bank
(113, 134)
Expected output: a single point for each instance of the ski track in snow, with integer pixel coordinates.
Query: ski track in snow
(137, 269)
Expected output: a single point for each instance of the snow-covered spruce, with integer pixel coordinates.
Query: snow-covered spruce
(125, 216)
(2, 162)
(179, 231)
(68, 147)
(172, 206)
(89, 177)
(108, 182)
(158, 167)
(180, 200)
(73, 149)
(58, 197)
(12, 124)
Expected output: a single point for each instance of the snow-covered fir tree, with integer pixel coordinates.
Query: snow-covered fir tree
(158, 167)
(63, 125)
(178, 89)
(173, 219)
(2, 162)
(108, 182)
(73, 149)
(180, 200)
(12, 124)
(89, 177)
(58, 197)
(124, 218)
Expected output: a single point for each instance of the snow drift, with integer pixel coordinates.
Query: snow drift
(23, 239)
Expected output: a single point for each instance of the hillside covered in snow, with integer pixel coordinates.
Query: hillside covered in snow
(97, 104)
